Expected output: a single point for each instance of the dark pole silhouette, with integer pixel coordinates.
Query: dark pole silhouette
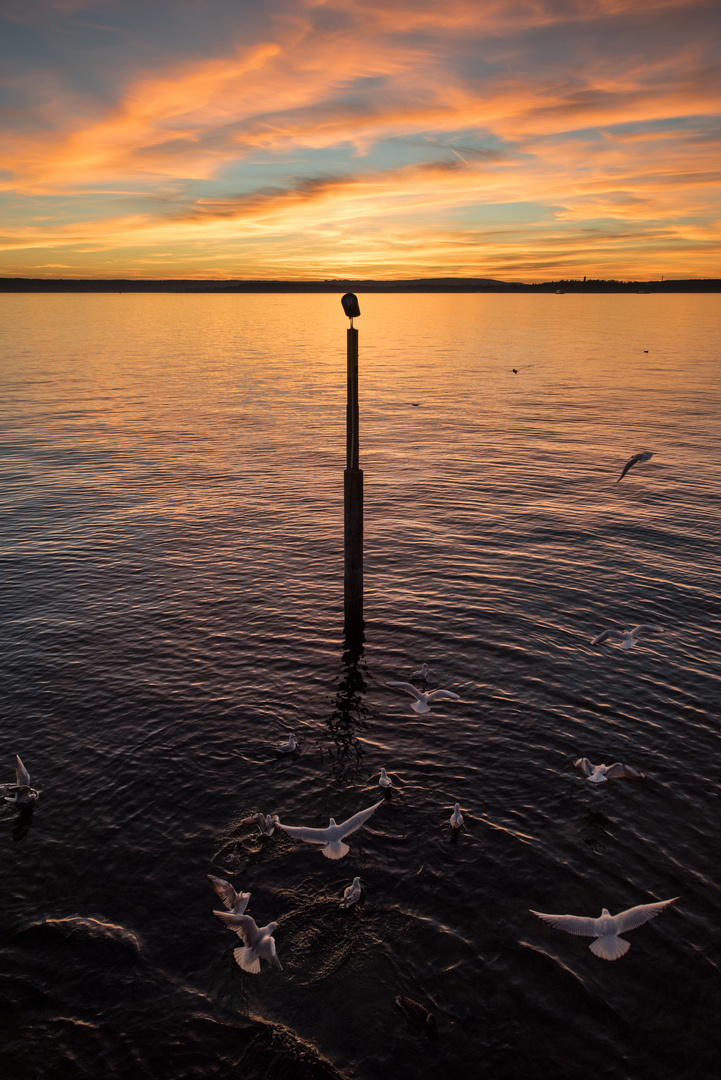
(353, 490)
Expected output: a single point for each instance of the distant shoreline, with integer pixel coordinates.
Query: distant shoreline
(415, 285)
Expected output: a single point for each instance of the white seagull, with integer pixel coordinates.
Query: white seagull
(599, 774)
(332, 837)
(422, 674)
(286, 747)
(258, 941)
(351, 893)
(645, 456)
(265, 822)
(385, 780)
(24, 793)
(606, 928)
(236, 902)
(628, 638)
(456, 817)
(420, 705)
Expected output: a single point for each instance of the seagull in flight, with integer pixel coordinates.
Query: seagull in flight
(635, 460)
(265, 822)
(24, 793)
(332, 837)
(421, 704)
(351, 893)
(258, 941)
(606, 928)
(628, 638)
(236, 902)
(599, 774)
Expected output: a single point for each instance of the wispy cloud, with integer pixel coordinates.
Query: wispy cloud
(374, 135)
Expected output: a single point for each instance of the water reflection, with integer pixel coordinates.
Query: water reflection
(22, 823)
(350, 714)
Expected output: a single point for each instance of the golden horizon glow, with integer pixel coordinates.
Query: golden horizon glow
(520, 141)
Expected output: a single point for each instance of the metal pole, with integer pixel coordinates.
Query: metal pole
(353, 501)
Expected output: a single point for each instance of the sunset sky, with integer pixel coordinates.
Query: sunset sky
(515, 139)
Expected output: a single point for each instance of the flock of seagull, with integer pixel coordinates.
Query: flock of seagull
(258, 943)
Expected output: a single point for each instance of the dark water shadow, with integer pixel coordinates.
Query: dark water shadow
(340, 745)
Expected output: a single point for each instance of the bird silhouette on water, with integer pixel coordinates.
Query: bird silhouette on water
(635, 460)
(417, 1016)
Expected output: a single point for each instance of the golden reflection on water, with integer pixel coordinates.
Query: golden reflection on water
(173, 585)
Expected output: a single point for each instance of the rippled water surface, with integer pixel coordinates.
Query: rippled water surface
(172, 595)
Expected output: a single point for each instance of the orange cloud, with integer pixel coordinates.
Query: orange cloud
(445, 109)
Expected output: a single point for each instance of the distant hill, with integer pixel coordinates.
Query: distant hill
(420, 285)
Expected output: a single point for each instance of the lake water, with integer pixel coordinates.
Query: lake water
(172, 594)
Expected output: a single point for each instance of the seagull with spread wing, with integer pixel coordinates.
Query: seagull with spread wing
(421, 704)
(23, 792)
(635, 460)
(258, 941)
(332, 837)
(265, 822)
(628, 638)
(236, 902)
(606, 928)
(599, 774)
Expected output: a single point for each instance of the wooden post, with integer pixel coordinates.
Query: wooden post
(353, 502)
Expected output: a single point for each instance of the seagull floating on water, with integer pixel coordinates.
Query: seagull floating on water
(351, 893)
(422, 675)
(606, 928)
(258, 941)
(421, 704)
(417, 1016)
(599, 774)
(236, 902)
(635, 460)
(456, 817)
(385, 780)
(332, 837)
(24, 793)
(628, 638)
(265, 822)
(288, 747)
